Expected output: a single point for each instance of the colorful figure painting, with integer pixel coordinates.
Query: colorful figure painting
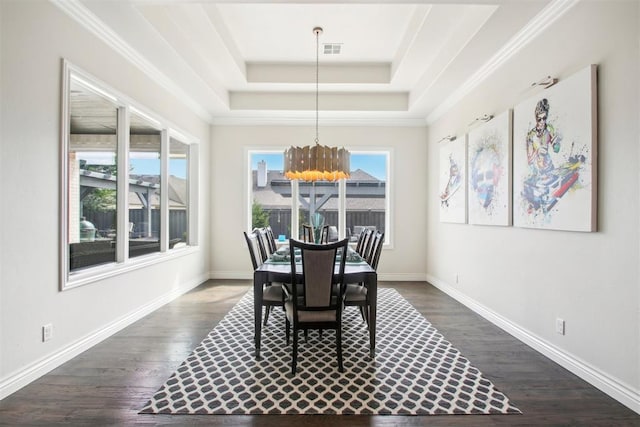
(490, 172)
(555, 156)
(453, 181)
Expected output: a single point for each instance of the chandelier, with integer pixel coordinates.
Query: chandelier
(318, 162)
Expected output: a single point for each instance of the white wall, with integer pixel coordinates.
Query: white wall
(524, 279)
(229, 175)
(35, 36)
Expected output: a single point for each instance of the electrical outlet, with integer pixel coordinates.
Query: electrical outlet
(560, 326)
(47, 332)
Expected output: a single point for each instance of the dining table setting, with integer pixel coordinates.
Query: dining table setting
(282, 256)
(277, 269)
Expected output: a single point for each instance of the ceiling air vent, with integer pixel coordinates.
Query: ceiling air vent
(332, 48)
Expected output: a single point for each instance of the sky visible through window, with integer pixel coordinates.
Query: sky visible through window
(140, 166)
(373, 164)
(177, 167)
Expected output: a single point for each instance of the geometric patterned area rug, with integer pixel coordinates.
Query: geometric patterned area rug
(416, 371)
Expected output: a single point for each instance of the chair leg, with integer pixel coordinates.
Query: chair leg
(362, 313)
(287, 329)
(268, 308)
(365, 313)
(339, 347)
(295, 352)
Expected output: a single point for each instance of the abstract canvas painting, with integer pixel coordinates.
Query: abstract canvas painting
(554, 156)
(489, 166)
(453, 186)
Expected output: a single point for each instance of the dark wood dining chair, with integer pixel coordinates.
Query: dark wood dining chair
(324, 234)
(356, 293)
(307, 233)
(271, 239)
(272, 294)
(375, 253)
(333, 234)
(263, 242)
(363, 241)
(318, 302)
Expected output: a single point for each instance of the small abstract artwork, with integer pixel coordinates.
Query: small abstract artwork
(489, 166)
(554, 156)
(453, 186)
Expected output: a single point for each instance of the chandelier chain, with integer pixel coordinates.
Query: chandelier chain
(317, 79)
(316, 163)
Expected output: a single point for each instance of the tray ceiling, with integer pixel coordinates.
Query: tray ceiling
(240, 61)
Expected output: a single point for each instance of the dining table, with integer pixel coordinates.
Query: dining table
(277, 269)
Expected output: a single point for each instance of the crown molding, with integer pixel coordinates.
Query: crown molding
(94, 25)
(333, 121)
(332, 73)
(551, 13)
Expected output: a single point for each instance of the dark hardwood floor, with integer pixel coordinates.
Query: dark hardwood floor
(109, 383)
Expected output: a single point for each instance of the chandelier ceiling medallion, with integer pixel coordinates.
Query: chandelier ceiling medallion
(317, 162)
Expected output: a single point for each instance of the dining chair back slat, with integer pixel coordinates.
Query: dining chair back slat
(324, 234)
(253, 244)
(376, 250)
(271, 239)
(361, 240)
(366, 244)
(307, 233)
(263, 240)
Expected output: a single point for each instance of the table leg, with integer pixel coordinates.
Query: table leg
(372, 292)
(258, 280)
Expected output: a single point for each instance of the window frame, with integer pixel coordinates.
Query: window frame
(342, 211)
(71, 279)
(388, 152)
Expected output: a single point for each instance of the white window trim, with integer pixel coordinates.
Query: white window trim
(389, 152)
(70, 280)
(342, 212)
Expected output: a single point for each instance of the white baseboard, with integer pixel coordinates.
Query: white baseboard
(619, 391)
(401, 277)
(32, 372)
(231, 275)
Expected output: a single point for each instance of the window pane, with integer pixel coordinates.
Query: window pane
(270, 193)
(92, 178)
(178, 193)
(319, 207)
(366, 193)
(144, 187)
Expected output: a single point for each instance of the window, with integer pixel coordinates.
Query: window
(319, 206)
(125, 183)
(366, 197)
(144, 186)
(92, 177)
(178, 193)
(270, 193)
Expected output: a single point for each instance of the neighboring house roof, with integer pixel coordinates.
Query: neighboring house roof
(270, 199)
(143, 183)
(177, 192)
